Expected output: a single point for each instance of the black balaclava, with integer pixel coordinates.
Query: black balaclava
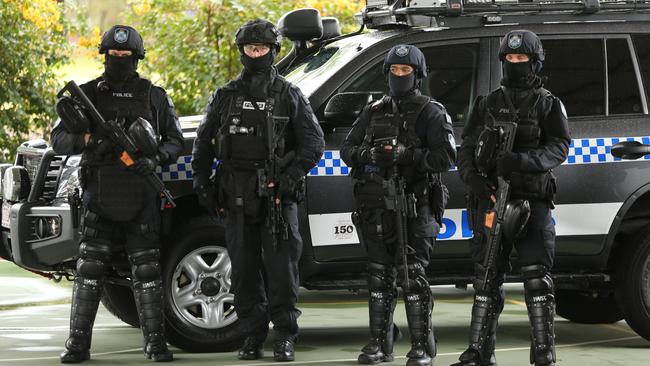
(119, 69)
(521, 75)
(257, 72)
(400, 86)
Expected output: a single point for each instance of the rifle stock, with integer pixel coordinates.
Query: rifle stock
(116, 135)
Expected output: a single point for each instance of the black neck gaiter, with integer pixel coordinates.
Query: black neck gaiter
(400, 86)
(119, 69)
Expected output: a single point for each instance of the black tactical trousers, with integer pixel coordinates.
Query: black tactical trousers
(536, 245)
(265, 278)
(382, 245)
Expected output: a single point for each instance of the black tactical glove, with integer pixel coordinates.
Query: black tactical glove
(163, 157)
(144, 166)
(409, 156)
(508, 162)
(207, 198)
(363, 155)
(99, 145)
(289, 181)
(480, 186)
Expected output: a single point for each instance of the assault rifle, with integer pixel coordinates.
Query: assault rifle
(274, 165)
(494, 217)
(402, 204)
(115, 134)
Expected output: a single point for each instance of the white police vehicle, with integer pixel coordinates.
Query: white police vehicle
(598, 63)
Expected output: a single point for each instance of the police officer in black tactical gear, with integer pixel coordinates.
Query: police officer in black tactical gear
(121, 209)
(254, 123)
(541, 144)
(425, 147)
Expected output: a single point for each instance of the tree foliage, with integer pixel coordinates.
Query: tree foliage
(190, 43)
(32, 44)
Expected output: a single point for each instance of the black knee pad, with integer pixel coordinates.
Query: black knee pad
(381, 277)
(418, 282)
(91, 268)
(145, 265)
(537, 280)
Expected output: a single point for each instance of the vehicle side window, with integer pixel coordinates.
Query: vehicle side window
(624, 95)
(451, 78)
(575, 70)
(642, 46)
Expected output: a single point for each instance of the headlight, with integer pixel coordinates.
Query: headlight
(15, 184)
(3, 167)
(45, 227)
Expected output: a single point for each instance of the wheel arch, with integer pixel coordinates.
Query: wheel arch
(632, 217)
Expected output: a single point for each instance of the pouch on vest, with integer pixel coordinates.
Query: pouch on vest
(487, 148)
(438, 198)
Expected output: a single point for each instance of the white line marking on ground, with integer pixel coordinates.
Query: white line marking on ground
(339, 360)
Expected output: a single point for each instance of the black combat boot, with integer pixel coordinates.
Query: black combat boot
(252, 349)
(148, 294)
(540, 301)
(381, 305)
(418, 313)
(86, 295)
(283, 350)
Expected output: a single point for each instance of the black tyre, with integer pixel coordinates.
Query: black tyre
(587, 307)
(199, 308)
(632, 284)
(119, 301)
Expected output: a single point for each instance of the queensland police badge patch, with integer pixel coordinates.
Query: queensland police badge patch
(514, 41)
(121, 35)
(402, 51)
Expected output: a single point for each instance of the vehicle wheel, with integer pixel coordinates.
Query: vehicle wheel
(199, 308)
(118, 300)
(632, 284)
(583, 307)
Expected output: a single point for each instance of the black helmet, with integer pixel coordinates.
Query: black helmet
(407, 55)
(521, 41)
(258, 31)
(515, 218)
(122, 37)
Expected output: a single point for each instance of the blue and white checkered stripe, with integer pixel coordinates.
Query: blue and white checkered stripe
(597, 150)
(581, 151)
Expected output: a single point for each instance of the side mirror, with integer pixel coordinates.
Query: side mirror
(342, 109)
(630, 150)
(331, 29)
(301, 25)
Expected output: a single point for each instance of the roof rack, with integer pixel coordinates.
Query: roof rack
(428, 13)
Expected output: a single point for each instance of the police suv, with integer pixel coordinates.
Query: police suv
(597, 63)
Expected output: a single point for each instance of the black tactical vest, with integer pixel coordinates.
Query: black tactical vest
(126, 105)
(115, 191)
(386, 121)
(242, 136)
(499, 108)
(529, 136)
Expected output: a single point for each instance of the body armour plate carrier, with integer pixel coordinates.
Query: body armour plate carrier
(112, 190)
(529, 136)
(387, 121)
(241, 138)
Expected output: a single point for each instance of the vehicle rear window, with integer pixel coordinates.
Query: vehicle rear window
(575, 71)
(642, 46)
